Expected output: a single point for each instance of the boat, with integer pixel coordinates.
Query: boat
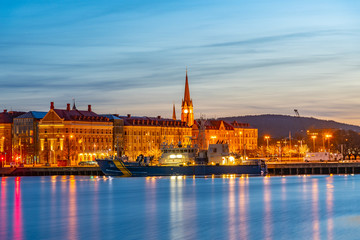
(184, 160)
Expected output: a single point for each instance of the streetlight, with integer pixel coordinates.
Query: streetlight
(313, 138)
(68, 157)
(267, 144)
(328, 136)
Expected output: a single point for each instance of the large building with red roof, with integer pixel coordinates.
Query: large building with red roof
(68, 136)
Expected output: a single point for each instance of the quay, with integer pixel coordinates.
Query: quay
(49, 171)
(274, 169)
(301, 168)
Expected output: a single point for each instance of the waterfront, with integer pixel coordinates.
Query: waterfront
(68, 207)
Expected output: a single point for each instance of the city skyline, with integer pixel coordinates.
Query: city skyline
(243, 58)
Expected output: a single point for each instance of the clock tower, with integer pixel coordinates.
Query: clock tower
(187, 109)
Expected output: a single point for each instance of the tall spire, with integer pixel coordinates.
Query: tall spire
(74, 106)
(174, 113)
(187, 91)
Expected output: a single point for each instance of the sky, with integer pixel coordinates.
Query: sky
(244, 57)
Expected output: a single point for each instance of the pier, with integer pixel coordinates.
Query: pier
(49, 171)
(302, 168)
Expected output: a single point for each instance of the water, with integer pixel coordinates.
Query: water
(67, 207)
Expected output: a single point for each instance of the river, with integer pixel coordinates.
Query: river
(82, 207)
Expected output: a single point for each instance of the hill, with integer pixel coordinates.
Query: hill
(278, 126)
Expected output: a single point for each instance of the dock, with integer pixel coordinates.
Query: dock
(301, 168)
(50, 171)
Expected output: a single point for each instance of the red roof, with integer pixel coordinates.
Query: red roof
(78, 115)
(152, 121)
(7, 117)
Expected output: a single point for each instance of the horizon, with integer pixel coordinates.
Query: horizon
(243, 58)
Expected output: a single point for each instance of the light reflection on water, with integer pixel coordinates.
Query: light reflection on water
(68, 207)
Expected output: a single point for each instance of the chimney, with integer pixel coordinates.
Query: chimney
(89, 108)
(68, 107)
(52, 105)
(159, 117)
(5, 110)
(129, 115)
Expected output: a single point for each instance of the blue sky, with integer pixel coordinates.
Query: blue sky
(243, 57)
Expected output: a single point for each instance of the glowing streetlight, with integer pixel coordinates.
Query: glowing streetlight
(267, 143)
(313, 138)
(328, 136)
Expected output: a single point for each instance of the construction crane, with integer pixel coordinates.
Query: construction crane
(296, 113)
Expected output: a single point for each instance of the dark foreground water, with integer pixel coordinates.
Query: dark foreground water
(63, 207)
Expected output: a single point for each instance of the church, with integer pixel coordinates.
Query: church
(241, 137)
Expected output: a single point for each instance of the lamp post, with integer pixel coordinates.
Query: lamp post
(328, 136)
(69, 149)
(313, 138)
(267, 144)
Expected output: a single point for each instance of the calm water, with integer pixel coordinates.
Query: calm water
(67, 207)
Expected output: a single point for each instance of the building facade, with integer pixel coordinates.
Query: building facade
(144, 135)
(240, 137)
(26, 143)
(68, 136)
(6, 125)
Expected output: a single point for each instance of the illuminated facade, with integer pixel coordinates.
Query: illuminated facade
(187, 108)
(240, 137)
(144, 135)
(26, 143)
(6, 122)
(68, 136)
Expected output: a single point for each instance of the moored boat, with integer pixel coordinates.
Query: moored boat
(179, 160)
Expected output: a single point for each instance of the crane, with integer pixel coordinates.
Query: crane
(296, 113)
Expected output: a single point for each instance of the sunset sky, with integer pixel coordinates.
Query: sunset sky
(244, 57)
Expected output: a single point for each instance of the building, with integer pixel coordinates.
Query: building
(187, 108)
(240, 137)
(118, 133)
(144, 135)
(6, 123)
(26, 143)
(68, 136)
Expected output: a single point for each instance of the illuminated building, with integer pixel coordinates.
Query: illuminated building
(6, 122)
(187, 109)
(239, 136)
(26, 143)
(68, 136)
(144, 135)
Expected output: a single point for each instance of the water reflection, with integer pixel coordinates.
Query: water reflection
(3, 209)
(151, 207)
(243, 202)
(315, 209)
(18, 221)
(267, 207)
(176, 208)
(72, 226)
(231, 209)
(329, 206)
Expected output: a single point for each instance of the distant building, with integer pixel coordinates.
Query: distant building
(118, 132)
(6, 123)
(68, 136)
(26, 143)
(144, 135)
(239, 136)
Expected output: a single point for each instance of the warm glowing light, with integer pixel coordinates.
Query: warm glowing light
(267, 137)
(213, 137)
(185, 111)
(313, 137)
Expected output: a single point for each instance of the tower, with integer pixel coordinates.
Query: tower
(187, 109)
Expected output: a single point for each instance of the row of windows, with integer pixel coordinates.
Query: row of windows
(157, 133)
(78, 130)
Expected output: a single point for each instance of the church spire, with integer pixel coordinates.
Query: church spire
(74, 106)
(187, 91)
(174, 113)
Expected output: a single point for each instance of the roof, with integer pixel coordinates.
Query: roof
(110, 116)
(215, 124)
(7, 117)
(33, 114)
(78, 115)
(152, 121)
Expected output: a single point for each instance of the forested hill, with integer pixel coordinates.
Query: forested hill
(279, 126)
